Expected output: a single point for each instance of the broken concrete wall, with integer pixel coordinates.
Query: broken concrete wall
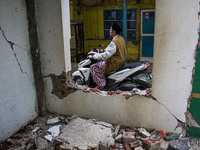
(176, 71)
(18, 102)
(176, 38)
(137, 111)
(54, 39)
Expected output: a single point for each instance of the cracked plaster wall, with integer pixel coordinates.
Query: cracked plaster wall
(18, 103)
(176, 38)
(175, 41)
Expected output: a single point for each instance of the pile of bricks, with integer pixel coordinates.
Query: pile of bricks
(135, 139)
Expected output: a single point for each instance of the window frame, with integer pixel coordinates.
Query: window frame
(120, 22)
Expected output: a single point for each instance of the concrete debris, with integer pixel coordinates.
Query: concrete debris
(54, 120)
(55, 130)
(72, 117)
(116, 130)
(119, 138)
(104, 124)
(92, 134)
(48, 137)
(144, 132)
(128, 137)
(36, 129)
(81, 132)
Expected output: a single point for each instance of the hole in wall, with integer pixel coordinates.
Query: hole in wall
(84, 40)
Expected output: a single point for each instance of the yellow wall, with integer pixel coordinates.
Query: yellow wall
(93, 22)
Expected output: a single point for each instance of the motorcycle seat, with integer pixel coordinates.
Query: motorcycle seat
(130, 66)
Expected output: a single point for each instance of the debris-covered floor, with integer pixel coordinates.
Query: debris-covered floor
(55, 132)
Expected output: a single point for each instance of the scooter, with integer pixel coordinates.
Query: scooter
(133, 75)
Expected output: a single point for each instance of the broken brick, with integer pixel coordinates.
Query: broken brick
(126, 146)
(135, 144)
(128, 136)
(113, 146)
(95, 90)
(153, 141)
(114, 92)
(146, 144)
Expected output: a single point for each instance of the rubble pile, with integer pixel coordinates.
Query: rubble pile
(55, 132)
(127, 94)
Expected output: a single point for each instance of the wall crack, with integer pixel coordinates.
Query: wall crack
(14, 53)
(180, 123)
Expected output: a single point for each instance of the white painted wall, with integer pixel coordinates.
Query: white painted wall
(54, 35)
(18, 103)
(175, 40)
(54, 39)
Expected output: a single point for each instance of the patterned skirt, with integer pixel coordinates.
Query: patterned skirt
(98, 73)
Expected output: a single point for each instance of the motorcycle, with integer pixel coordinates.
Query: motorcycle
(132, 75)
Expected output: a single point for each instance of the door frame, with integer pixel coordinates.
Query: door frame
(141, 31)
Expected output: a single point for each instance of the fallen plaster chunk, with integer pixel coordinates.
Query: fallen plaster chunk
(116, 130)
(55, 131)
(139, 92)
(119, 137)
(35, 129)
(73, 117)
(128, 137)
(104, 124)
(48, 137)
(144, 132)
(55, 120)
(85, 134)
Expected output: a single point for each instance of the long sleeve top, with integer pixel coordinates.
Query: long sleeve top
(108, 52)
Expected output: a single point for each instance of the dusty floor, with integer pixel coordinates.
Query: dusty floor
(56, 132)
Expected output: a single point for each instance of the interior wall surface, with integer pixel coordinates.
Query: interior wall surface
(18, 101)
(176, 38)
